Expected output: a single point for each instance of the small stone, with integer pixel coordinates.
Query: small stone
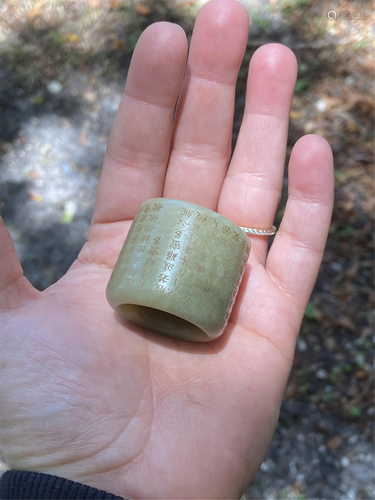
(54, 87)
(345, 462)
(321, 105)
(336, 266)
(301, 345)
(266, 465)
(359, 359)
(300, 479)
(353, 439)
(321, 374)
(70, 207)
(89, 96)
(349, 80)
(300, 437)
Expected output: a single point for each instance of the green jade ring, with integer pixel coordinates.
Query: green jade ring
(179, 270)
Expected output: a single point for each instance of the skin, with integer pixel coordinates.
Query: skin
(128, 411)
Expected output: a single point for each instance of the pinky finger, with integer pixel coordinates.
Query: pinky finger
(296, 254)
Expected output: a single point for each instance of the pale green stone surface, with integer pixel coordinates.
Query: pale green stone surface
(179, 270)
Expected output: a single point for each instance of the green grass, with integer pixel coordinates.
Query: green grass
(335, 373)
(302, 85)
(345, 232)
(262, 22)
(310, 311)
(355, 412)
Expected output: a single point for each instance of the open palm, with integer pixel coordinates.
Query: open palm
(120, 408)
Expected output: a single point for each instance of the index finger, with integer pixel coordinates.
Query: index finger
(138, 146)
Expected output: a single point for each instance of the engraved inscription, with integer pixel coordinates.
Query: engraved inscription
(212, 234)
(146, 272)
(153, 251)
(187, 212)
(202, 217)
(142, 285)
(163, 278)
(195, 278)
(201, 267)
(190, 250)
(178, 233)
(168, 266)
(185, 260)
(183, 223)
(172, 255)
(214, 222)
(150, 262)
(208, 244)
(157, 206)
(149, 227)
(182, 271)
(145, 238)
(175, 245)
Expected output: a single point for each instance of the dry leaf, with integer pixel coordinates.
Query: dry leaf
(334, 442)
(142, 9)
(118, 45)
(72, 37)
(83, 139)
(295, 114)
(36, 197)
(34, 13)
(345, 323)
(114, 4)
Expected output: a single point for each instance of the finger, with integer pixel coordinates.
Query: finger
(13, 285)
(297, 251)
(203, 128)
(138, 146)
(252, 187)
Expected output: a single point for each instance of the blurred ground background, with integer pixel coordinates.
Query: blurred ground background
(63, 66)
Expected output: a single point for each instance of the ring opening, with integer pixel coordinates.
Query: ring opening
(162, 322)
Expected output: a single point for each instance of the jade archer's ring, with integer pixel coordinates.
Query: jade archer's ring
(179, 270)
(259, 232)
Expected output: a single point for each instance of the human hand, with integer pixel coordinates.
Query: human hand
(124, 409)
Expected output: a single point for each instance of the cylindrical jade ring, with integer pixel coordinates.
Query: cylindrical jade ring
(179, 270)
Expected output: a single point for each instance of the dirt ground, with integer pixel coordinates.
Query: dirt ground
(63, 66)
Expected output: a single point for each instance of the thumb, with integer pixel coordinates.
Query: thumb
(13, 285)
